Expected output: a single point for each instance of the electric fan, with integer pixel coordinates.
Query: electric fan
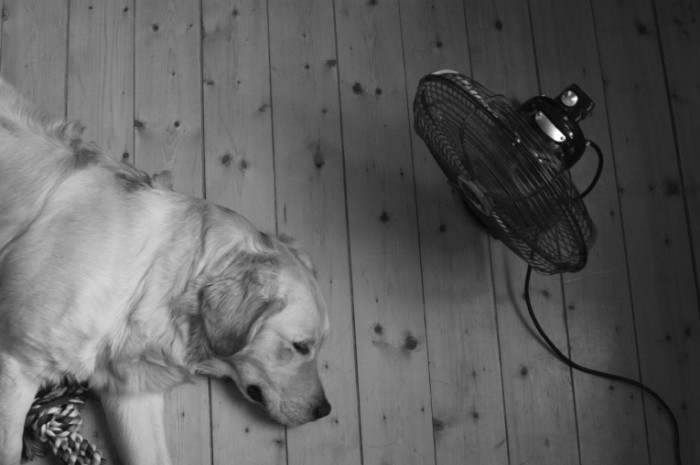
(512, 166)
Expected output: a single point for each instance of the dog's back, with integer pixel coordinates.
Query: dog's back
(35, 156)
(73, 223)
(81, 238)
(38, 154)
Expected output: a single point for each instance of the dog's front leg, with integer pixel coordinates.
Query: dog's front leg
(136, 423)
(17, 392)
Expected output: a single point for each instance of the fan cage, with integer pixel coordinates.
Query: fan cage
(506, 171)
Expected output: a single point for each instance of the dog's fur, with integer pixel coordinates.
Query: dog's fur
(107, 276)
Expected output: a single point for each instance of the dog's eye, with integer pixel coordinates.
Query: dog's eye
(300, 347)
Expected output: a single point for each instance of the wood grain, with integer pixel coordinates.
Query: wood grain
(101, 73)
(236, 75)
(656, 234)
(679, 32)
(36, 67)
(311, 207)
(167, 92)
(465, 376)
(395, 408)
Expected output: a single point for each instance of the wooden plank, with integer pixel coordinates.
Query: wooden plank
(311, 207)
(239, 175)
(395, 407)
(237, 109)
(537, 389)
(465, 376)
(679, 31)
(33, 59)
(611, 425)
(101, 73)
(100, 94)
(664, 295)
(168, 127)
(168, 105)
(34, 51)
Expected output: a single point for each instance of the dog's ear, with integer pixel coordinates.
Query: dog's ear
(298, 252)
(163, 180)
(233, 307)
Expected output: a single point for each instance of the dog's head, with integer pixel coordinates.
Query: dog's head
(261, 321)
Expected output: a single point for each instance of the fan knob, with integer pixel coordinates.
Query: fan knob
(569, 98)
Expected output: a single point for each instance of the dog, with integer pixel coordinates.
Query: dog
(109, 277)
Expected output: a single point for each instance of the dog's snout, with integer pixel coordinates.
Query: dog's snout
(322, 410)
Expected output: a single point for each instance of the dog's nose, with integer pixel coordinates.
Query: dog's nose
(322, 410)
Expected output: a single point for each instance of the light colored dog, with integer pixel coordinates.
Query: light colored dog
(108, 277)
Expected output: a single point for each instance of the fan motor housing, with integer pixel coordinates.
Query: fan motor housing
(558, 119)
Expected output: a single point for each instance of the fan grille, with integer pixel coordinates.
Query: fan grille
(504, 169)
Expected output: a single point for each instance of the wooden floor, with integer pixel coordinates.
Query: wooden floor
(297, 114)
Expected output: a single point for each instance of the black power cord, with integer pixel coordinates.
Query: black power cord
(598, 170)
(601, 374)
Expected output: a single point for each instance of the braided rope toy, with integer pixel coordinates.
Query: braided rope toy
(54, 419)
